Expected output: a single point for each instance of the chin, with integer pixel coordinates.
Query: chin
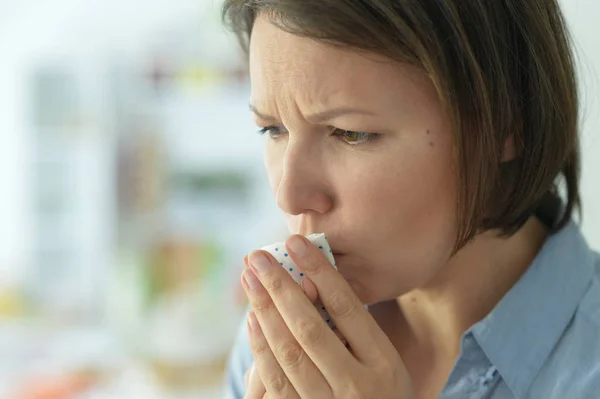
(372, 291)
(366, 294)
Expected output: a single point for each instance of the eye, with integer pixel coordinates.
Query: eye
(273, 131)
(354, 138)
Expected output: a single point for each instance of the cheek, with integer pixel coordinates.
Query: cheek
(422, 202)
(415, 209)
(413, 185)
(410, 220)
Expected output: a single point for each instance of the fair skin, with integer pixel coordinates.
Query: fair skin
(359, 147)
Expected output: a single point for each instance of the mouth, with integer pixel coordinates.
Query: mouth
(340, 260)
(336, 251)
(338, 255)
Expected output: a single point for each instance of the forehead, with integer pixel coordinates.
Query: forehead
(280, 61)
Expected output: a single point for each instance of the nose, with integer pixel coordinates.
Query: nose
(303, 186)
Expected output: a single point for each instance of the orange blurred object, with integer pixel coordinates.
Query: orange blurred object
(65, 387)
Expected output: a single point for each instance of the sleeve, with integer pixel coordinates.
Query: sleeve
(240, 360)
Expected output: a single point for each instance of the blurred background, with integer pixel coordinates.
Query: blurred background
(131, 186)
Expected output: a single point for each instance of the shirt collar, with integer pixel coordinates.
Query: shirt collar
(521, 331)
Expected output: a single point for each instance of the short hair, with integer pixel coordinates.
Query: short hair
(503, 69)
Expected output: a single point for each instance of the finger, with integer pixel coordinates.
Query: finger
(254, 386)
(311, 292)
(369, 343)
(296, 365)
(267, 369)
(301, 318)
(307, 286)
(308, 381)
(309, 289)
(340, 336)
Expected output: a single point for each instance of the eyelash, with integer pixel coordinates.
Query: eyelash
(369, 136)
(267, 129)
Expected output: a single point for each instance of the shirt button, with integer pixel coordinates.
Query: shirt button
(489, 376)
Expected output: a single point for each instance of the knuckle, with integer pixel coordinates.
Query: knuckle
(310, 331)
(289, 354)
(258, 348)
(262, 304)
(276, 384)
(312, 266)
(383, 370)
(341, 304)
(274, 284)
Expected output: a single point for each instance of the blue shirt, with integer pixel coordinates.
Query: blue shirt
(541, 341)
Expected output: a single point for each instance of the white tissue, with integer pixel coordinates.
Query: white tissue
(280, 253)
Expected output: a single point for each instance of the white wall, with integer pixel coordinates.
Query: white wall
(583, 17)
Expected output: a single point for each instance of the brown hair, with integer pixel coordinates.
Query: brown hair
(503, 69)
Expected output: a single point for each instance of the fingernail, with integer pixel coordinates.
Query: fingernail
(260, 261)
(251, 279)
(248, 323)
(251, 372)
(253, 322)
(297, 245)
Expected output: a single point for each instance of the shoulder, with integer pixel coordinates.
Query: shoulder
(588, 312)
(573, 368)
(589, 309)
(240, 360)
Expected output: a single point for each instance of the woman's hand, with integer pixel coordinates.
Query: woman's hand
(254, 386)
(296, 354)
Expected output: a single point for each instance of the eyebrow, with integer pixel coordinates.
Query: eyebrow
(317, 117)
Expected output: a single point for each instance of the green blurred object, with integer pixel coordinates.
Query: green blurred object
(214, 259)
(182, 264)
(231, 183)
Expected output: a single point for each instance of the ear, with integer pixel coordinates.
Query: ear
(509, 152)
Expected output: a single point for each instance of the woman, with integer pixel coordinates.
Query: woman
(427, 139)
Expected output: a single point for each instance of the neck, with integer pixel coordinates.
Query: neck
(470, 286)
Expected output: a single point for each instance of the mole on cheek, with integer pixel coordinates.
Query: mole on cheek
(431, 142)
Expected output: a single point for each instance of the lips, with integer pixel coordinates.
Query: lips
(336, 251)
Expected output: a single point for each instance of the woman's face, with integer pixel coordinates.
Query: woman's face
(357, 147)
